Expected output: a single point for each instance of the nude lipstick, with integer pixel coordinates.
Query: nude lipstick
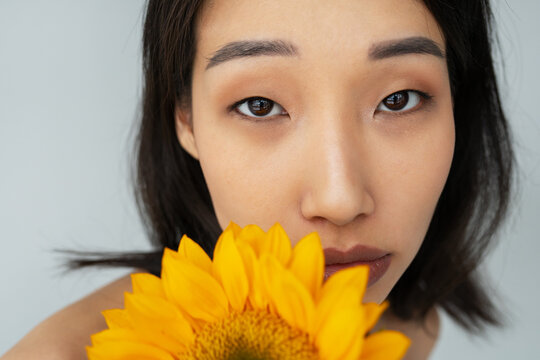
(377, 260)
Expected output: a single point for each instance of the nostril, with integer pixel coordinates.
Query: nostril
(336, 175)
(338, 208)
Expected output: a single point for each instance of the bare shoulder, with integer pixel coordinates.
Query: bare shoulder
(423, 335)
(65, 334)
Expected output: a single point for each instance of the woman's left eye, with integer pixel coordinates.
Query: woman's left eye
(402, 101)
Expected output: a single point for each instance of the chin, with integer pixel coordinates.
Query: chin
(379, 291)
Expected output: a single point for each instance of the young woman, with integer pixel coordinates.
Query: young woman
(375, 123)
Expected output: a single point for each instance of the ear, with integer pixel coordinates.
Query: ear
(184, 131)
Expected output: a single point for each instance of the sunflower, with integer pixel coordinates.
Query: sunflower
(259, 298)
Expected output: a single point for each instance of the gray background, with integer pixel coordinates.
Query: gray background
(70, 82)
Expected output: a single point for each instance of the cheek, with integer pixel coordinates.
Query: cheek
(413, 183)
(409, 184)
(227, 175)
(245, 180)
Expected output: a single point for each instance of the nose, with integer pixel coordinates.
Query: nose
(336, 173)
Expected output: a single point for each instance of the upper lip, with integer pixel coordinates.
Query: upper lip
(358, 253)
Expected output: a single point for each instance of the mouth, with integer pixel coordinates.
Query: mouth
(377, 260)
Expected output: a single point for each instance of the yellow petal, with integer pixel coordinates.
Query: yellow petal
(289, 296)
(254, 236)
(387, 345)
(354, 277)
(111, 335)
(117, 318)
(341, 336)
(192, 251)
(230, 271)
(192, 289)
(278, 244)
(257, 295)
(126, 350)
(153, 307)
(147, 284)
(159, 322)
(342, 290)
(307, 263)
(373, 313)
(236, 229)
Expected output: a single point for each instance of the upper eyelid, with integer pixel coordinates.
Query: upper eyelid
(254, 97)
(422, 94)
(240, 102)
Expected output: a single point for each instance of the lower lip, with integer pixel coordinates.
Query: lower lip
(377, 268)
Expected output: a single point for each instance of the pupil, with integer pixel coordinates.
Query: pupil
(397, 101)
(260, 107)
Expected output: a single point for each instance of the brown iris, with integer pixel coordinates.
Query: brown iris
(260, 106)
(397, 101)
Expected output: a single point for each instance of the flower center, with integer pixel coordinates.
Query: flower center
(253, 335)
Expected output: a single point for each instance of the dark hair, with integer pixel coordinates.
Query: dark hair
(173, 197)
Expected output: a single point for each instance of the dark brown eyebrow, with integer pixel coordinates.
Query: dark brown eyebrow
(411, 45)
(383, 50)
(250, 48)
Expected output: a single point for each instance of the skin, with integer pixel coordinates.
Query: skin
(333, 161)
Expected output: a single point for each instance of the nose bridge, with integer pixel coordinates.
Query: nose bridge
(335, 175)
(334, 148)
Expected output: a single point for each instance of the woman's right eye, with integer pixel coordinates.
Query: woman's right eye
(259, 107)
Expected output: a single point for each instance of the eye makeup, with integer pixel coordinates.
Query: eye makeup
(399, 103)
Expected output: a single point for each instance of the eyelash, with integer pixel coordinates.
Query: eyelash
(425, 98)
(234, 107)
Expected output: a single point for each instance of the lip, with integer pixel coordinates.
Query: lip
(377, 260)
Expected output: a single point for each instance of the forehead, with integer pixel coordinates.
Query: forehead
(320, 28)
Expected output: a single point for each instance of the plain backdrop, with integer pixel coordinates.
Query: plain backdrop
(70, 85)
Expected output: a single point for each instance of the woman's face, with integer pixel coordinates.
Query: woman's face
(334, 116)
